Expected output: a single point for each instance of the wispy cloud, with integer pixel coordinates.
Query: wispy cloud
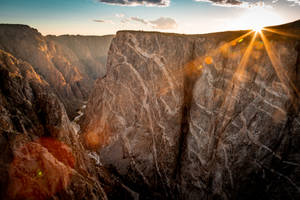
(99, 20)
(125, 20)
(295, 2)
(164, 23)
(161, 3)
(103, 21)
(227, 3)
(239, 3)
(120, 15)
(139, 20)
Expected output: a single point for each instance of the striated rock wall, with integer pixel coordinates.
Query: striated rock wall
(201, 116)
(70, 64)
(41, 153)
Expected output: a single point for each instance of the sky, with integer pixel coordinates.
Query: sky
(102, 17)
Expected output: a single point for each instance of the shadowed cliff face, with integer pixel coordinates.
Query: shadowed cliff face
(41, 154)
(211, 116)
(70, 64)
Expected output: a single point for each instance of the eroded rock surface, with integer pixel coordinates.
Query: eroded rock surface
(41, 154)
(211, 116)
(70, 64)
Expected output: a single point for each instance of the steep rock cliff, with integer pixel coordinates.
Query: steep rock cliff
(41, 154)
(70, 64)
(211, 116)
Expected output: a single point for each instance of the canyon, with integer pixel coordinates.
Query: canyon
(70, 64)
(42, 156)
(168, 116)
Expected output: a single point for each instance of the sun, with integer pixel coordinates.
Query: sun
(258, 29)
(256, 18)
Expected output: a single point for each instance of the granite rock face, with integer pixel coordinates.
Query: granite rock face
(211, 116)
(70, 64)
(41, 153)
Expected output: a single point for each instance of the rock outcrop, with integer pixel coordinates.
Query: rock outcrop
(211, 116)
(70, 64)
(41, 153)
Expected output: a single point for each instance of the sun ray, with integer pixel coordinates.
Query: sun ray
(241, 37)
(195, 66)
(230, 93)
(276, 31)
(233, 87)
(208, 55)
(241, 68)
(288, 84)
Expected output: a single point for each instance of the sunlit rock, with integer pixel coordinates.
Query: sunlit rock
(69, 64)
(41, 154)
(39, 172)
(210, 116)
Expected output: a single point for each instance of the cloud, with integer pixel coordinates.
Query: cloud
(161, 3)
(125, 20)
(103, 21)
(164, 23)
(228, 3)
(139, 20)
(295, 2)
(99, 20)
(240, 3)
(120, 15)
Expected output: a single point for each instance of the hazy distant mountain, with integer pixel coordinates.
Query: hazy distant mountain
(88, 52)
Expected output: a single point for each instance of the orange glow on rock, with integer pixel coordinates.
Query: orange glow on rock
(60, 151)
(287, 84)
(208, 60)
(282, 33)
(92, 139)
(233, 43)
(200, 67)
(38, 172)
(96, 138)
(259, 45)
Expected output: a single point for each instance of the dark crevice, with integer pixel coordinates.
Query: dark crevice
(297, 70)
(191, 74)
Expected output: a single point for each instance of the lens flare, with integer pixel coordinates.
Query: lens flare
(40, 169)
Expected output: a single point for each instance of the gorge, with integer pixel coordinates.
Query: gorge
(171, 116)
(70, 64)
